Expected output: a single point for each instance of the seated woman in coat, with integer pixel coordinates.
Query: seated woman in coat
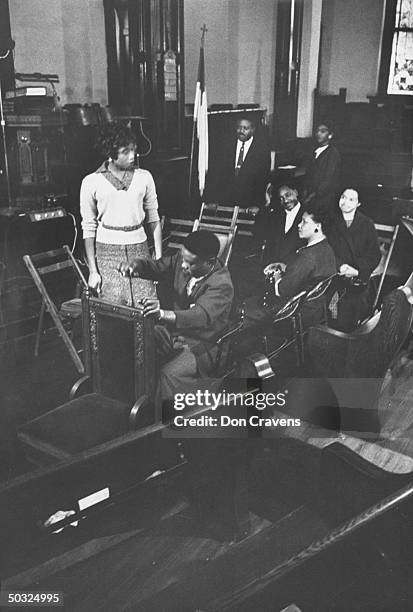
(312, 263)
(354, 240)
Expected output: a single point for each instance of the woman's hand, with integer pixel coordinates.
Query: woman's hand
(348, 271)
(274, 268)
(95, 282)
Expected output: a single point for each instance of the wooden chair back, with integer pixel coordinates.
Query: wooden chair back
(217, 217)
(387, 235)
(221, 220)
(290, 308)
(355, 364)
(176, 230)
(120, 351)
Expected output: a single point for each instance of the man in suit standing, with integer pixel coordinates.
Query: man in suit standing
(324, 171)
(240, 172)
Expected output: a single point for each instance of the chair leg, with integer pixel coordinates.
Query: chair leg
(39, 329)
(301, 335)
(299, 350)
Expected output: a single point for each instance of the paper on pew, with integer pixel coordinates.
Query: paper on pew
(93, 498)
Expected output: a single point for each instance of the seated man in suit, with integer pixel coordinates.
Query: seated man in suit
(202, 299)
(239, 172)
(278, 222)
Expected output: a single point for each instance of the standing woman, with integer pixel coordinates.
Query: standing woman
(115, 201)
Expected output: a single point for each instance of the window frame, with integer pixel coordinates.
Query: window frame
(389, 28)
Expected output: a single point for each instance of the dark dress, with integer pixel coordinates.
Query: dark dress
(357, 246)
(311, 265)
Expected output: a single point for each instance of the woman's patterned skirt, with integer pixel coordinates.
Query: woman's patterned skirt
(115, 287)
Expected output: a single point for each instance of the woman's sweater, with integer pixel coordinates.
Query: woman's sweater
(116, 216)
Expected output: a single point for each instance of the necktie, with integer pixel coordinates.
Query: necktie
(240, 159)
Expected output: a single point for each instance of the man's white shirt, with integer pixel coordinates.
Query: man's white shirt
(247, 145)
(290, 216)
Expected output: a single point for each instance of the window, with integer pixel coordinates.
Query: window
(400, 80)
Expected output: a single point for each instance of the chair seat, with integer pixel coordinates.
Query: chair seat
(78, 425)
(72, 308)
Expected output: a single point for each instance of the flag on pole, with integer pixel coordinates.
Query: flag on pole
(201, 120)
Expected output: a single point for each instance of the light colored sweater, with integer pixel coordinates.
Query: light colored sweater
(101, 204)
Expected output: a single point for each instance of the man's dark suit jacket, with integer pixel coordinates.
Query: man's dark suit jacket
(201, 317)
(280, 246)
(323, 178)
(248, 187)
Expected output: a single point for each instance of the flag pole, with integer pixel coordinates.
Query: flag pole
(204, 30)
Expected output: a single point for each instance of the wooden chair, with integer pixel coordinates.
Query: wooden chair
(217, 217)
(222, 221)
(353, 365)
(387, 235)
(112, 398)
(320, 293)
(290, 312)
(54, 263)
(176, 230)
(245, 224)
(275, 341)
(222, 365)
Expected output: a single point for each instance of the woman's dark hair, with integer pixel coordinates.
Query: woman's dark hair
(319, 216)
(113, 137)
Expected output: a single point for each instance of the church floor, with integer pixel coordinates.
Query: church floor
(153, 554)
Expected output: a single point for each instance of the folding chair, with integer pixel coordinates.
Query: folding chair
(176, 230)
(49, 263)
(245, 224)
(221, 220)
(387, 235)
(217, 217)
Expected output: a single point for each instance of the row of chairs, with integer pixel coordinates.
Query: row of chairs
(42, 266)
(226, 222)
(292, 314)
